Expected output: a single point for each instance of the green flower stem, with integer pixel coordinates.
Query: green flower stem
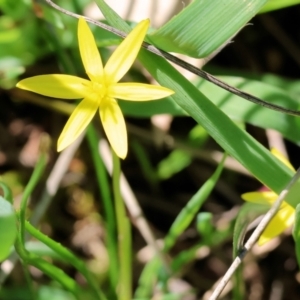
(44, 266)
(103, 184)
(34, 179)
(101, 174)
(68, 257)
(30, 258)
(124, 235)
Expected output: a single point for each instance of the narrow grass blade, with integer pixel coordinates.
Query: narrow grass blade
(204, 26)
(8, 228)
(296, 233)
(189, 212)
(278, 4)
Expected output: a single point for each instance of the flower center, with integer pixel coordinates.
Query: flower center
(98, 91)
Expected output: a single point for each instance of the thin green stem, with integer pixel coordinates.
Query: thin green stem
(103, 184)
(34, 179)
(124, 235)
(30, 258)
(101, 174)
(54, 273)
(44, 266)
(68, 257)
(29, 281)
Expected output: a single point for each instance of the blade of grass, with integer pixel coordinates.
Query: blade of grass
(33, 181)
(204, 26)
(248, 213)
(103, 183)
(68, 257)
(296, 233)
(188, 213)
(124, 236)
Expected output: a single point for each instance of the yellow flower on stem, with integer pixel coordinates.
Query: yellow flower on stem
(286, 214)
(101, 91)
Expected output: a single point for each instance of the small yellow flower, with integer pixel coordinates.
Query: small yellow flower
(286, 214)
(101, 91)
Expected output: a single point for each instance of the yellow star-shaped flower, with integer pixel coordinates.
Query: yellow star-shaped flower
(101, 91)
(285, 216)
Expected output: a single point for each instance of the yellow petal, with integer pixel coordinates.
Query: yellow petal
(56, 85)
(282, 158)
(282, 220)
(78, 121)
(123, 57)
(114, 126)
(138, 91)
(89, 52)
(267, 197)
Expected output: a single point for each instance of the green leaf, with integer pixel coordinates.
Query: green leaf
(296, 233)
(248, 213)
(150, 108)
(16, 9)
(51, 292)
(204, 26)
(175, 162)
(240, 110)
(188, 213)
(10, 69)
(52, 16)
(205, 225)
(278, 4)
(8, 227)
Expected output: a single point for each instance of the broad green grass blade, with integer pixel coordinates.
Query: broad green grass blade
(296, 233)
(204, 26)
(8, 227)
(150, 108)
(252, 155)
(240, 110)
(278, 4)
